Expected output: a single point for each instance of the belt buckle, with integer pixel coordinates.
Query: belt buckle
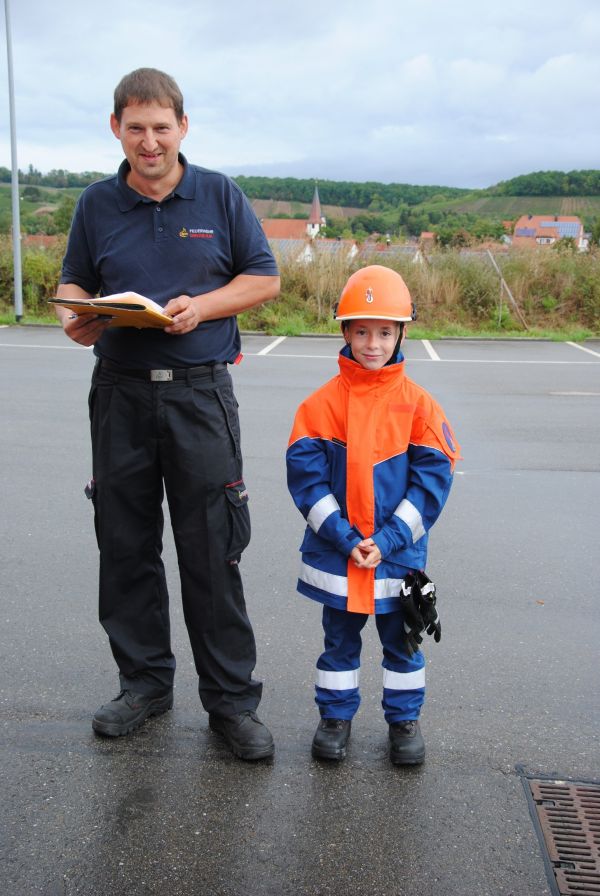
(161, 376)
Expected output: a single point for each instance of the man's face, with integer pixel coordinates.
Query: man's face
(372, 341)
(150, 136)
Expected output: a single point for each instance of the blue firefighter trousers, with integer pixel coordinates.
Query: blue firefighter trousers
(182, 438)
(338, 667)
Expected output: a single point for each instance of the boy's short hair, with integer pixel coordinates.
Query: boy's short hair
(148, 85)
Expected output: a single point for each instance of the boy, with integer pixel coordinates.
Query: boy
(370, 463)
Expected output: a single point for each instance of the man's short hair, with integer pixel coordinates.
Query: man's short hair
(148, 85)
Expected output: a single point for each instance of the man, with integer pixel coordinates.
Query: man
(163, 413)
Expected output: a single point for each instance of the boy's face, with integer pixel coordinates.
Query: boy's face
(372, 341)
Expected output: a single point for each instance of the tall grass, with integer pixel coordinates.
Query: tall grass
(308, 294)
(40, 274)
(555, 291)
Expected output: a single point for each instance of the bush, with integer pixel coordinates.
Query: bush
(6, 272)
(556, 288)
(452, 291)
(40, 270)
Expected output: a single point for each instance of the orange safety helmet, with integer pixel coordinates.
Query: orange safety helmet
(376, 293)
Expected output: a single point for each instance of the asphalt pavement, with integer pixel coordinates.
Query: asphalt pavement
(513, 686)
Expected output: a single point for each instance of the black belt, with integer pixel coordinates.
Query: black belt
(162, 375)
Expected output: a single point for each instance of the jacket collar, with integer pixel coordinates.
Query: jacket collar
(358, 378)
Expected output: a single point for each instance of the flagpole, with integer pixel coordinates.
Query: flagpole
(16, 211)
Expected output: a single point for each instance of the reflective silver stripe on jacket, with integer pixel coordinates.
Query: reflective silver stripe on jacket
(337, 681)
(320, 511)
(334, 584)
(404, 681)
(387, 588)
(326, 581)
(409, 514)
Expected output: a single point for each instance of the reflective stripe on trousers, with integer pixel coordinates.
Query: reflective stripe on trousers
(338, 667)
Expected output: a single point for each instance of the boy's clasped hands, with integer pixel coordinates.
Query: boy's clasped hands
(366, 554)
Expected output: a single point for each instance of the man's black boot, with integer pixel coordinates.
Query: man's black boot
(331, 738)
(245, 734)
(407, 746)
(128, 711)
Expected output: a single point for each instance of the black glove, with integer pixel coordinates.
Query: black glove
(417, 600)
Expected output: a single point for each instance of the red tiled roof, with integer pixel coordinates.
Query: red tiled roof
(39, 240)
(531, 228)
(284, 228)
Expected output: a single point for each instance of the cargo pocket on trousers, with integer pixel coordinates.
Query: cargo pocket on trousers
(239, 516)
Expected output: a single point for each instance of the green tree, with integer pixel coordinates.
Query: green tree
(565, 244)
(33, 194)
(64, 214)
(595, 238)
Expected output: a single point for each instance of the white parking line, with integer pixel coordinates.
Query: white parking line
(430, 350)
(584, 349)
(441, 360)
(432, 354)
(271, 346)
(62, 348)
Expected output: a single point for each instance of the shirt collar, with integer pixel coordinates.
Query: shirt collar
(129, 198)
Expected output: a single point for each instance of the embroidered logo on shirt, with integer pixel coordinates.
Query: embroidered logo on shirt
(201, 233)
(183, 233)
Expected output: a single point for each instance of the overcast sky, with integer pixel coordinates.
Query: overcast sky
(463, 93)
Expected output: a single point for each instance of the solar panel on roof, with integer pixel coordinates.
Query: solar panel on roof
(569, 229)
(565, 228)
(525, 231)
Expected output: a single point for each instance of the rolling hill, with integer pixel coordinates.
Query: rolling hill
(381, 207)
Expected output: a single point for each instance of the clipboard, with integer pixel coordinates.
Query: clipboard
(126, 309)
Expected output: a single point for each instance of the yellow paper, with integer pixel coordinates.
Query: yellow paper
(126, 309)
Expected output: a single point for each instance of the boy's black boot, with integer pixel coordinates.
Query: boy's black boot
(407, 746)
(331, 738)
(128, 711)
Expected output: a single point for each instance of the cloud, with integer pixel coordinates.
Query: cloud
(463, 94)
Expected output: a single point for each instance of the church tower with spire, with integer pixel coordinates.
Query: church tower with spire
(316, 219)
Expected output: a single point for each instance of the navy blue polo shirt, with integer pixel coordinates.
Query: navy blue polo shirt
(196, 240)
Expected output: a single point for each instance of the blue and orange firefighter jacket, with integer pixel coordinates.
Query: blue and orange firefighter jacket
(371, 454)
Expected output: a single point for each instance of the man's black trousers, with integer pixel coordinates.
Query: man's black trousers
(182, 437)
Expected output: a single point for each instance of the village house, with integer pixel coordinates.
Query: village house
(384, 253)
(544, 230)
(38, 241)
(293, 228)
(299, 241)
(303, 251)
(284, 228)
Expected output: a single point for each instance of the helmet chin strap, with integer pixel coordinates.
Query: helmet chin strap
(347, 341)
(398, 346)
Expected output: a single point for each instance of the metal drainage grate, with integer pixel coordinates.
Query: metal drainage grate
(566, 815)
